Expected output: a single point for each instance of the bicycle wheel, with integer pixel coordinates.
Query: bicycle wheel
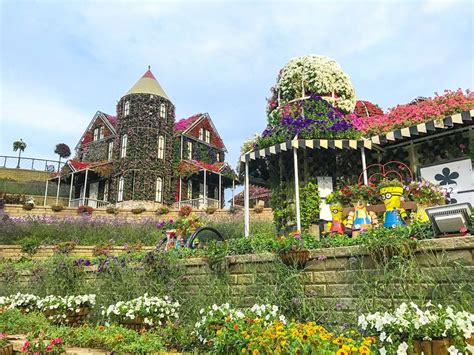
(203, 236)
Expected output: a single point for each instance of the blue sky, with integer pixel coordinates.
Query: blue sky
(61, 61)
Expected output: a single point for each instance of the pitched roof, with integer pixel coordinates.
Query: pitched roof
(79, 165)
(111, 119)
(147, 84)
(184, 123)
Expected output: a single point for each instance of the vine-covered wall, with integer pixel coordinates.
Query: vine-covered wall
(141, 166)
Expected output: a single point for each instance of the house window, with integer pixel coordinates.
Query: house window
(218, 156)
(126, 108)
(123, 149)
(106, 191)
(101, 132)
(120, 189)
(190, 150)
(110, 150)
(161, 147)
(163, 111)
(216, 193)
(207, 136)
(201, 134)
(96, 134)
(190, 189)
(159, 190)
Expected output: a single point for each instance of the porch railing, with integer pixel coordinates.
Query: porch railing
(199, 203)
(10, 161)
(90, 202)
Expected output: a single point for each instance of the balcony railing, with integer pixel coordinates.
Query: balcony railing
(89, 202)
(9, 161)
(199, 203)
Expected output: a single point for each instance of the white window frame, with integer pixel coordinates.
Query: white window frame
(95, 136)
(163, 111)
(110, 150)
(159, 190)
(190, 150)
(207, 136)
(218, 157)
(126, 108)
(123, 147)
(161, 147)
(121, 184)
(190, 190)
(106, 191)
(201, 134)
(101, 132)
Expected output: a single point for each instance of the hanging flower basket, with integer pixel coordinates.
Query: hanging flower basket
(297, 258)
(432, 347)
(70, 317)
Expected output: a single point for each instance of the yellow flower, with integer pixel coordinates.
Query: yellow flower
(342, 352)
(244, 350)
(255, 352)
(219, 332)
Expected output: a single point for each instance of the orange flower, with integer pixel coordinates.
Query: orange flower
(236, 326)
(101, 327)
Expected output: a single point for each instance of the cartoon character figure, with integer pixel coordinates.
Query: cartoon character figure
(394, 215)
(361, 220)
(337, 225)
(170, 239)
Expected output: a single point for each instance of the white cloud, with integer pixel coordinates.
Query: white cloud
(434, 6)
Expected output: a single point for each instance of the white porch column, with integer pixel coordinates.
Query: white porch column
(220, 192)
(46, 193)
(85, 188)
(364, 166)
(57, 190)
(205, 188)
(180, 192)
(246, 201)
(70, 189)
(297, 190)
(233, 192)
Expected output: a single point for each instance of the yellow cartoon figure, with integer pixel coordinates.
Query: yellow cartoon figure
(337, 225)
(391, 195)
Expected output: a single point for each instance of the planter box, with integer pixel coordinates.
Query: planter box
(6, 350)
(431, 347)
(297, 258)
(72, 317)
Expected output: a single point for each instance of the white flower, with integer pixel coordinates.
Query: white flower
(382, 351)
(453, 351)
(382, 336)
(402, 349)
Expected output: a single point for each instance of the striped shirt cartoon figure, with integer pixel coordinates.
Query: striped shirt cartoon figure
(394, 214)
(361, 220)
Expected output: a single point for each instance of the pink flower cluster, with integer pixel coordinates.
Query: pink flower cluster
(432, 108)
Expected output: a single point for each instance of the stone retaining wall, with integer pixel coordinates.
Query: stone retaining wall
(18, 211)
(330, 276)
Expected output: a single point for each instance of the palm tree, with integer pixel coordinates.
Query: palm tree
(19, 146)
(63, 151)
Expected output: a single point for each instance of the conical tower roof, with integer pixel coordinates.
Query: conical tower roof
(147, 84)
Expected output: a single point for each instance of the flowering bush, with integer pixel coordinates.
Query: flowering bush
(36, 344)
(152, 311)
(320, 75)
(223, 321)
(432, 108)
(396, 330)
(367, 109)
(87, 210)
(355, 192)
(185, 211)
(24, 301)
(58, 308)
(426, 193)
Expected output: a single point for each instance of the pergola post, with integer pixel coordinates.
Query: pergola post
(57, 190)
(205, 188)
(85, 188)
(220, 192)
(246, 201)
(297, 190)
(233, 192)
(364, 166)
(179, 192)
(70, 189)
(46, 193)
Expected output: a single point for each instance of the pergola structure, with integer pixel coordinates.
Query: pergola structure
(459, 122)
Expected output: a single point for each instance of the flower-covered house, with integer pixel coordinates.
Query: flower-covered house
(142, 154)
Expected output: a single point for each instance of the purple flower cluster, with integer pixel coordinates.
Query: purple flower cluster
(82, 262)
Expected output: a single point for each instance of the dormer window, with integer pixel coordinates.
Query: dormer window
(96, 134)
(207, 137)
(190, 150)
(201, 134)
(163, 111)
(126, 108)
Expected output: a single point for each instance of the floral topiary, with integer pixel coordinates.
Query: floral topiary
(318, 75)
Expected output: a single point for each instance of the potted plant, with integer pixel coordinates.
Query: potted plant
(29, 204)
(138, 210)
(57, 208)
(258, 209)
(425, 194)
(292, 251)
(391, 192)
(85, 210)
(112, 210)
(211, 210)
(6, 348)
(185, 211)
(143, 312)
(162, 211)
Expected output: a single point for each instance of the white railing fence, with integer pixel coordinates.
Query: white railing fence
(89, 202)
(199, 203)
(10, 161)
